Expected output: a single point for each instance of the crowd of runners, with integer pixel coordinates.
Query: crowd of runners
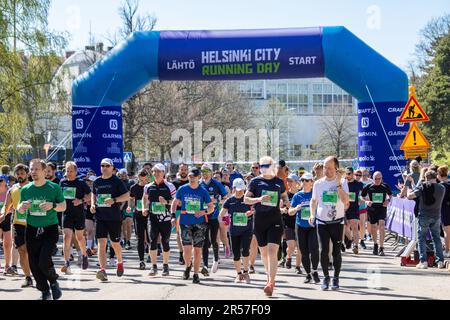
(290, 218)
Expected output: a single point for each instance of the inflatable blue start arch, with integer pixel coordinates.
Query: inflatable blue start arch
(380, 87)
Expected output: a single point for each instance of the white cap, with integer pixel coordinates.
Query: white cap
(207, 166)
(123, 171)
(107, 161)
(239, 184)
(160, 167)
(307, 176)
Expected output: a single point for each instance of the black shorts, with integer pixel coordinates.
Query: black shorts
(19, 235)
(376, 215)
(268, 229)
(193, 234)
(74, 221)
(113, 229)
(88, 215)
(289, 233)
(6, 224)
(352, 215)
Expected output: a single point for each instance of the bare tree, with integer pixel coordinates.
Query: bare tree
(337, 132)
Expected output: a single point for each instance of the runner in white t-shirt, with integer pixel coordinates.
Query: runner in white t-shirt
(330, 199)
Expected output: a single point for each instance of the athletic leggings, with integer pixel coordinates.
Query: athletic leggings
(160, 228)
(334, 233)
(309, 247)
(241, 242)
(211, 238)
(141, 234)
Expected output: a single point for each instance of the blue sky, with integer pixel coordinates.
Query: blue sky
(389, 26)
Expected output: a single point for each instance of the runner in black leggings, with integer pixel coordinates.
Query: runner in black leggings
(141, 218)
(330, 198)
(218, 193)
(241, 228)
(306, 233)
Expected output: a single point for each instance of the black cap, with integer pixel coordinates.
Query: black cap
(349, 169)
(194, 171)
(282, 163)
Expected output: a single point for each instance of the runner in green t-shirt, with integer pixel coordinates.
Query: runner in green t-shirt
(40, 201)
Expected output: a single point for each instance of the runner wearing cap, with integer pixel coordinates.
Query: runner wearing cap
(141, 216)
(306, 232)
(108, 192)
(157, 199)
(241, 228)
(39, 202)
(330, 198)
(196, 205)
(265, 193)
(75, 192)
(289, 225)
(352, 213)
(218, 194)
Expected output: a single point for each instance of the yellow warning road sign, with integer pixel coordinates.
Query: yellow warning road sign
(414, 139)
(413, 112)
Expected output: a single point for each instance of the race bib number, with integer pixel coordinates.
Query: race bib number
(377, 197)
(192, 206)
(329, 197)
(352, 196)
(139, 205)
(22, 218)
(158, 208)
(35, 209)
(69, 193)
(305, 213)
(240, 219)
(101, 200)
(273, 202)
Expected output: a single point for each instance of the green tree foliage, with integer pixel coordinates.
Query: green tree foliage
(433, 85)
(29, 56)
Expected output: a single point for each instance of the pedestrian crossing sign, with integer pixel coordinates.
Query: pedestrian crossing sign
(127, 156)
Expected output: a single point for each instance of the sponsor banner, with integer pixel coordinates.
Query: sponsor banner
(97, 134)
(374, 152)
(241, 54)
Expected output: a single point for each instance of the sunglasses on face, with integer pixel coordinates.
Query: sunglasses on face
(304, 180)
(255, 167)
(106, 166)
(358, 175)
(206, 171)
(348, 173)
(265, 166)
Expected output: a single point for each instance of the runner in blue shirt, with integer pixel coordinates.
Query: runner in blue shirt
(306, 233)
(196, 205)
